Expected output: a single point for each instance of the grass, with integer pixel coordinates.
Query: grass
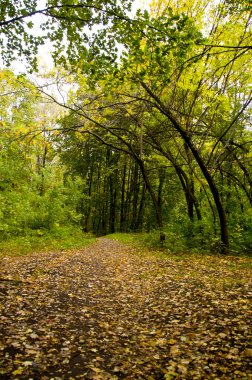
(127, 238)
(35, 241)
(175, 244)
(150, 241)
(216, 271)
(148, 244)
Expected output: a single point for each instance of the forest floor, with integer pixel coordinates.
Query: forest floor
(108, 312)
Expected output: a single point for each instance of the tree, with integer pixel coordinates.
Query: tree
(150, 57)
(194, 89)
(68, 25)
(165, 69)
(33, 196)
(105, 128)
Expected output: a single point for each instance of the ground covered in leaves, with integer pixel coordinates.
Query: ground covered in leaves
(109, 312)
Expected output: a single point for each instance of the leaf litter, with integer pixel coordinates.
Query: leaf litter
(109, 312)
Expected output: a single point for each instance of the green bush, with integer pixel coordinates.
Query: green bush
(60, 238)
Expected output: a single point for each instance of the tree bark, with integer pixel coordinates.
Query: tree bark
(153, 198)
(214, 190)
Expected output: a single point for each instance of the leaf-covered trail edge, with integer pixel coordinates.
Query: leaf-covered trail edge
(108, 311)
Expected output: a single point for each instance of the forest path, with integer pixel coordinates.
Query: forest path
(108, 311)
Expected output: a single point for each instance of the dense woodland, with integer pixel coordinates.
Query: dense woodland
(144, 124)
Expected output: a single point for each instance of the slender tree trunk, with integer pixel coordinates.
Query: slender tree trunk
(187, 185)
(86, 216)
(153, 198)
(214, 190)
(113, 196)
(140, 214)
(42, 170)
(135, 190)
(122, 208)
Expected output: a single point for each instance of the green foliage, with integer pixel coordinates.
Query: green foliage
(66, 25)
(23, 211)
(126, 238)
(34, 198)
(234, 6)
(154, 140)
(59, 238)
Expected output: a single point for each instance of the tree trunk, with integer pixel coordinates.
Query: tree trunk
(214, 190)
(122, 208)
(140, 214)
(153, 198)
(135, 190)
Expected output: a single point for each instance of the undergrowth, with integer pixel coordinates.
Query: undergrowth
(175, 245)
(61, 238)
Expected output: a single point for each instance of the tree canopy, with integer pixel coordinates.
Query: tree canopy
(68, 25)
(158, 105)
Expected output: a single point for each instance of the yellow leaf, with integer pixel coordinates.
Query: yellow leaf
(174, 350)
(171, 341)
(162, 342)
(18, 371)
(96, 369)
(247, 352)
(27, 363)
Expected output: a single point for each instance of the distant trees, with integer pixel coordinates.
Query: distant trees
(33, 196)
(162, 128)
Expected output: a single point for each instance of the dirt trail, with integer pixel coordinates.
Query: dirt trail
(107, 312)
